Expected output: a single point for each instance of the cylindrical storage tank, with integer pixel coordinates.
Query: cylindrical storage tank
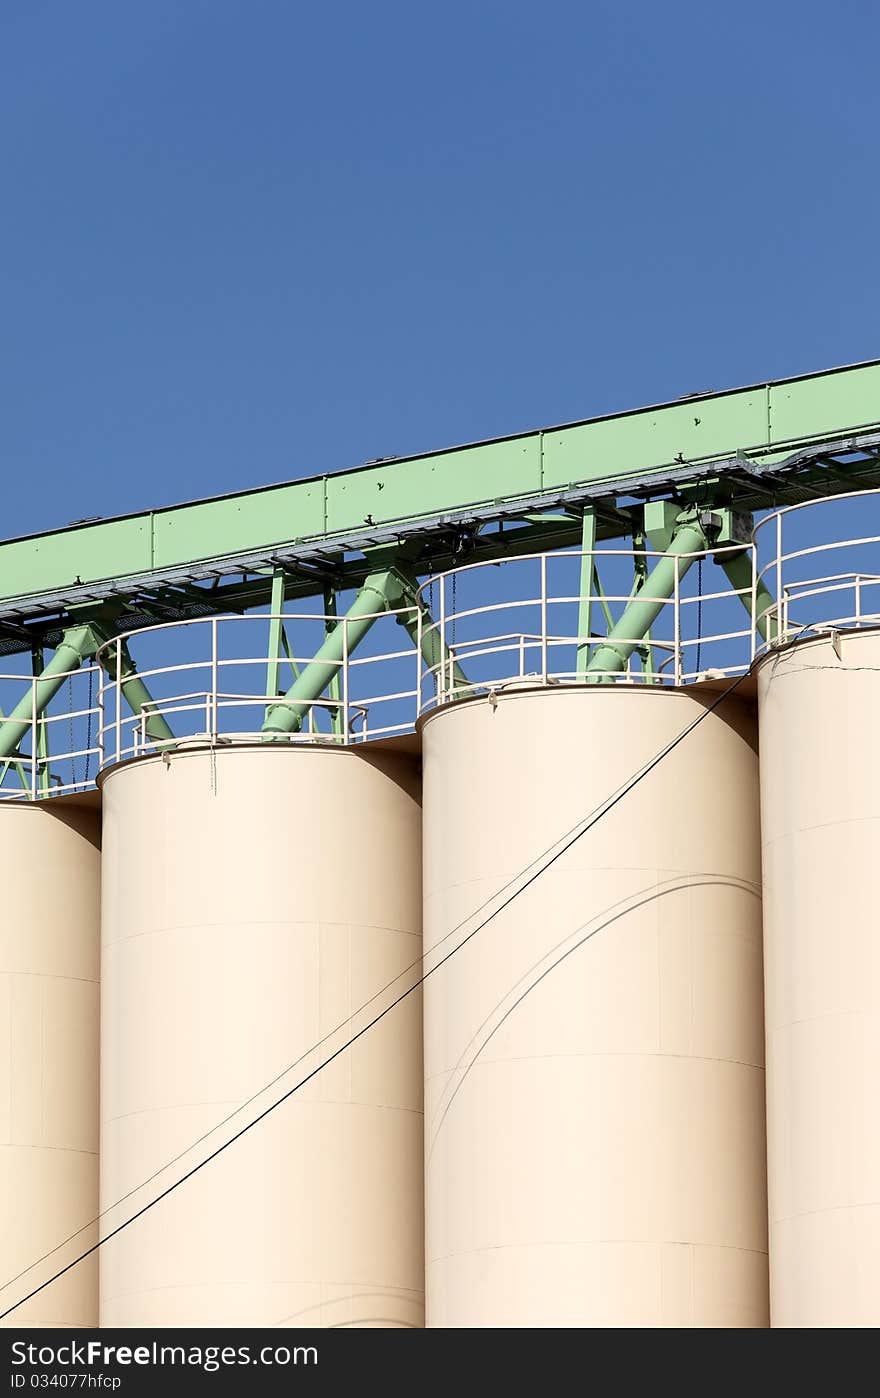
(820, 813)
(254, 899)
(49, 1009)
(594, 1099)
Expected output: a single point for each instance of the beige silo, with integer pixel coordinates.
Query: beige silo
(594, 1101)
(49, 956)
(820, 809)
(254, 899)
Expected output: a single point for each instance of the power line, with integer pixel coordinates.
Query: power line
(569, 840)
(273, 1082)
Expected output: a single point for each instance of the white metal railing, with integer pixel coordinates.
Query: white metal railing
(537, 619)
(216, 687)
(60, 751)
(482, 644)
(793, 569)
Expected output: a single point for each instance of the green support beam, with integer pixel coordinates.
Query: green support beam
(729, 438)
(374, 598)
(77, 645)
(434, 653)
(639, 615)
(585, 592)
(738, 567)
(276, 631)
(388, 589)
(136, 695)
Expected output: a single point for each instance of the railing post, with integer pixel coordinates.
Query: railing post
(100, 712)
(419, 628)
(34, 739)
(676, 620)
(754, 608)
(543, 618)
(346, 724)
(858, 599)
(118, 687)
(441, 669)
(782, 612)
(214, 668)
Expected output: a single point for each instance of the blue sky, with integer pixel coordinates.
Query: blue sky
(243, 242)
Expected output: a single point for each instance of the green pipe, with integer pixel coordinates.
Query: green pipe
(640, 613)
(70, 653)
(738, 567)
(287, 715)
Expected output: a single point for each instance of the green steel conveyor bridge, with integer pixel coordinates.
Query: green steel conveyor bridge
(680, 473)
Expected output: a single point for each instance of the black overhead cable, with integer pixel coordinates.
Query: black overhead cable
(567, 840)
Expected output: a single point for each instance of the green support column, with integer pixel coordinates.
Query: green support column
(638, 616)
(276, 632)
(585, 590)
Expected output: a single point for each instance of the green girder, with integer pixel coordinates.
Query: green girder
(750, 447)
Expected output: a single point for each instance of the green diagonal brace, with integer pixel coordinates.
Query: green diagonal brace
(76, 644)
(374, 597)
(434, 652)
(382, 591)
(135, 692)
(738, 567)
(639, 614)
